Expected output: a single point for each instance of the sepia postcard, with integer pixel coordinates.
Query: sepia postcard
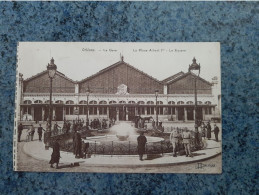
(118, 107)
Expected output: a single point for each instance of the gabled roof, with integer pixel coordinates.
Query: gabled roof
(115, 65)
(171, 78)
(46, 71)
(185, 75)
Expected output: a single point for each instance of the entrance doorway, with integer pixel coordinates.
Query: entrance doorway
(37, 113)
(122, 113)
(59, 113)
(180, 113)
(190, 115)
(199, 114)
(112, 113)
(131, 113)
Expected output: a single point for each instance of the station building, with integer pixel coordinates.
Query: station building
(119, 91)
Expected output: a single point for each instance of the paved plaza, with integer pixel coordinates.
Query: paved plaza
(34, 152)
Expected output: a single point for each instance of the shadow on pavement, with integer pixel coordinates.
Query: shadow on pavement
(71, 165)
(153, 156)
(198, 154)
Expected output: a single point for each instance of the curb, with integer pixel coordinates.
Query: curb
(85, 163)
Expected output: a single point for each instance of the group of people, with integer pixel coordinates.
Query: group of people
(184, 137)
(206, 130)
(30, 132)
(101, 123)
(178, 138)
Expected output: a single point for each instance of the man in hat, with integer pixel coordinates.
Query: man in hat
(40, 129)
(77, 144)
(216, 132)
(174, 138)
(186, 142)
(142, 140)
(55, 156)
(208, 130)
(20, 128)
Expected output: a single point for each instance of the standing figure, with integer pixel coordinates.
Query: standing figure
(136, 122)
(142, 140)
(153, 124)
(208, 130)
(32, 132)
(87, 124)
(55, 156)
(203, 130)
(68, 127)
(142, 123)
(40, 132)
(216, 132)
(174, 138)
(77, 145)
(186, 142)
(85, 146)
(20, 128)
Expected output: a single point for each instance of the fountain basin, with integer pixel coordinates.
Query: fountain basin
(124, 138)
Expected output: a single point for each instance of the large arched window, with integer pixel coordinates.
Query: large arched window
(150, 102)
(47, 102)
(59, 102)
(93, 102)
(38, 102)
(102, 102)
(112, 102)
(141, 102)
(27, 102)
(122, 102)
(189, 102)
(171, 102)
(159, 102)
(199, 102)
(69, 102)
(83, 102)
(132, 102)
(208, 102)
(180, 102)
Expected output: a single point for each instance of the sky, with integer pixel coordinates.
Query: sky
(78, 60)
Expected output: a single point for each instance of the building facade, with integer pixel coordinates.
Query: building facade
(119, 91)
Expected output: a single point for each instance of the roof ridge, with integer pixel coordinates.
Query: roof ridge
(185, 74)
(45, 71)
(170, 78)
(116, 64)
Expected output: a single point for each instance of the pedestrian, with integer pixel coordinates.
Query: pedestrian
(153, 124)
(186, 142)
(208, 130)
(87, 124)
(77, 144)
(68, 127)
(216, 132)
(203, 130)
(142, 140)
(55, 156)
(142, 123)
(85, 146)
(174, 138)
(40, 129)
(20, 128)
(32, 132)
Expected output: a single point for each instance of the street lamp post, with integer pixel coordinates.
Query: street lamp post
(87, 95)
(52, 68)
(194, 68)
(156, 94)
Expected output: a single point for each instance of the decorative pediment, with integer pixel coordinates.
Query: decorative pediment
(122, 90)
